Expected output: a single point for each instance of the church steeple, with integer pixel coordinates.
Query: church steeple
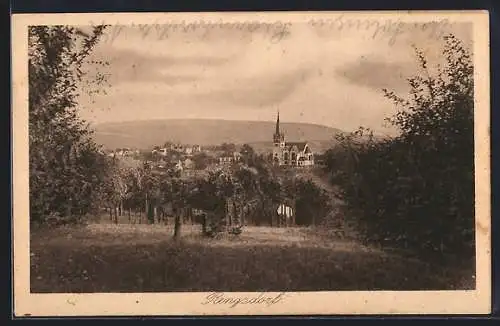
(277, 132)
(278, 137)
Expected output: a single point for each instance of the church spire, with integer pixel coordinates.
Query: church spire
(278, 137)
(277, 132)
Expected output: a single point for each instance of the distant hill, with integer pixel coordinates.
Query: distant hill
(145, 134)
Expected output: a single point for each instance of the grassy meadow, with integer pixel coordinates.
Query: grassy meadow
(145, 258)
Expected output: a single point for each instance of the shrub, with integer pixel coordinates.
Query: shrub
(416, 190)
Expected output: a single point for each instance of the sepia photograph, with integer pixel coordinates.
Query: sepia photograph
(251, 163)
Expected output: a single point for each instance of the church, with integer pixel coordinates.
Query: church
(296, 154)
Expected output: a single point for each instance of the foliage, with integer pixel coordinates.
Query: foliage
(312, 203)
(248, 155)
(416, 190)
(228, 147)
(202, 161)
(66, 168)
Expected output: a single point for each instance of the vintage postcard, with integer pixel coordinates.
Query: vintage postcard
(257, 163)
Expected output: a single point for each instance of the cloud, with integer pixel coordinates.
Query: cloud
(258, 91)
(126, 65)
(377, 74)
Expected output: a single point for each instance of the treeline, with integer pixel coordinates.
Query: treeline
(416, 191)
(252, 186)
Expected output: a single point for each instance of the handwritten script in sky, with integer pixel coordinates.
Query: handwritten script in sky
(389, 29)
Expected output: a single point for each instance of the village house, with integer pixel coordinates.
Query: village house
(188, 164)
(189, 150)
(177, 147)
(225, 160)
(229, 158)
(237, 156)
(285, 153)
(162, 164)
(123, 152)
(179, 166)
(159, 151)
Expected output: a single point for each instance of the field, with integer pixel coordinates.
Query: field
(145, 258)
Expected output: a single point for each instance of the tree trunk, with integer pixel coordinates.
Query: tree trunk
(204, 224)
(278, 217)
(146, 209)
(177, 226)
(68, 211)
(150, 214)
(264, 212)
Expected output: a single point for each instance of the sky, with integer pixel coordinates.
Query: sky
(328, 73)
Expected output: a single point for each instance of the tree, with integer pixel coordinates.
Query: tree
(312, 203)
(416, 190)
(116, 189)
(201, 161)
(227, 147)
(248, 155)
(66, 167)
(182, 192)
